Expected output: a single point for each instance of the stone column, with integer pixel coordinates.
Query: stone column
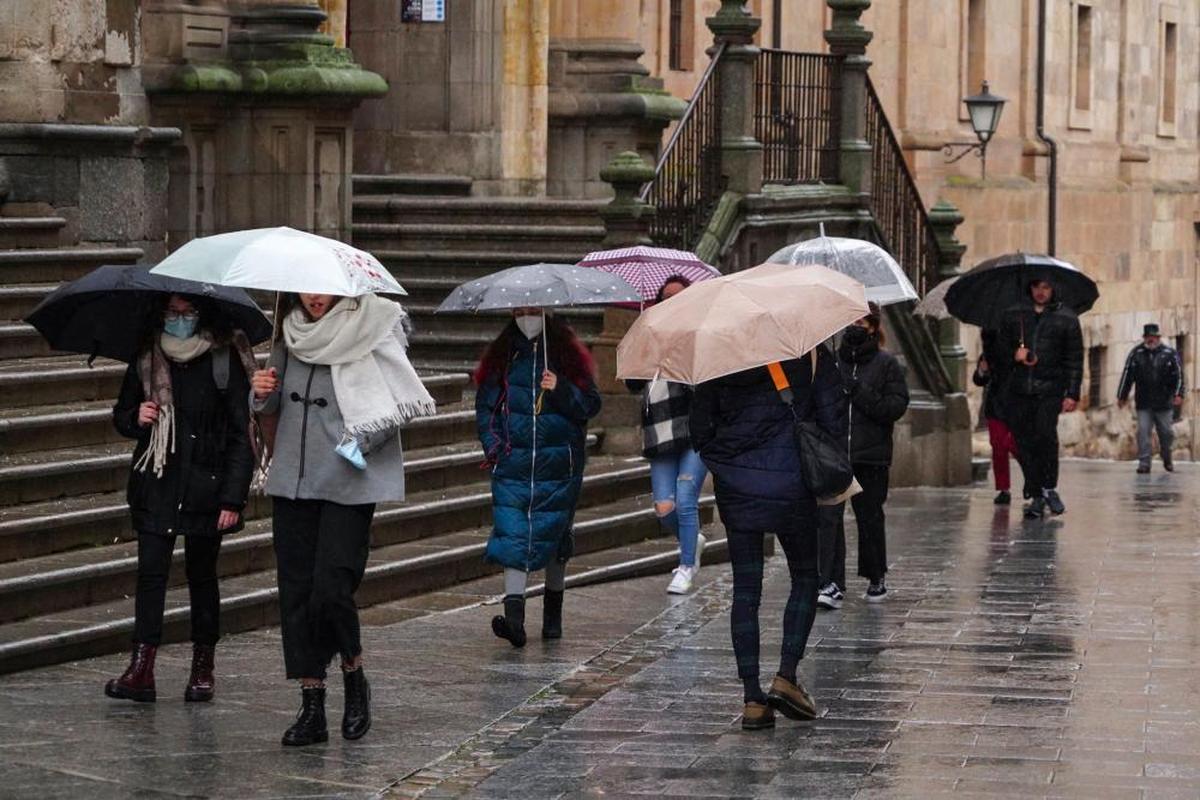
(945, 217)
(848, 38)
(741, 152)
(627, 220)
(265, 103)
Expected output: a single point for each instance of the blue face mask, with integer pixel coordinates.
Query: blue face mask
(180, 327)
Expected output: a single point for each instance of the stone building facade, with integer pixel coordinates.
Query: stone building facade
(1121, 103)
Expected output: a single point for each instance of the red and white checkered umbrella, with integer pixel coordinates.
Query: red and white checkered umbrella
(647, 268)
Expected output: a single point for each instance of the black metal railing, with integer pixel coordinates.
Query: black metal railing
(896, 204)
(797, 116)
(687, 181)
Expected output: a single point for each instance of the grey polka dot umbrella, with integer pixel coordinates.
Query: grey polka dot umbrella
(540, 286)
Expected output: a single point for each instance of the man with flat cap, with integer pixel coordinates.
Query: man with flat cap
(1153, 368)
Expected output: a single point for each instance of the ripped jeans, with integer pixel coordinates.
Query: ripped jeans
(675, 481)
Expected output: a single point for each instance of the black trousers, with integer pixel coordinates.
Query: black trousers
(1034, 423)
(868, 513)
(746, 555)
(831, 533)
(154, 567)
(321, 554)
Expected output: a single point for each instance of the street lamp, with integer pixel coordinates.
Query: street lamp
(984, 110)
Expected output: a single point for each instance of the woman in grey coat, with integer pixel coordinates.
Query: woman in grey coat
(340, 386)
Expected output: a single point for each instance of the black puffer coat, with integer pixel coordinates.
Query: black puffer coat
(744, 433)
(874, 380)
(212, 465)
(1055, 337)
(1156, 375)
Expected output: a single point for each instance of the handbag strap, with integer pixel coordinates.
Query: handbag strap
(780, 379)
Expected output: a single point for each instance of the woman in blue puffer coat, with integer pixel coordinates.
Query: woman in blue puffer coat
(744, 432)
(532, 414)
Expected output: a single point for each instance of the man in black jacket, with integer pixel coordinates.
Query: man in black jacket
(1154, 369)
(1045, 345)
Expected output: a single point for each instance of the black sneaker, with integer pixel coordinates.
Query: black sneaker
(1003, 499)
(876, 592)
(1168, 465)
(831, 596)
(1143, 469)
(1055, 502)
(1036, 508)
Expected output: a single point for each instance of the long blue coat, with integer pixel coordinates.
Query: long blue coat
(538, 458)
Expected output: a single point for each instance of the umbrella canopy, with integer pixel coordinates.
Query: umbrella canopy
(981, 296)
(540, 286)
(280, 260)
(867, 263)
(647, 268)
(933, 304)
(736, 322)
(104, 312)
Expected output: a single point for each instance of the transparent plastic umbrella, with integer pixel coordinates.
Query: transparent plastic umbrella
(867, 263)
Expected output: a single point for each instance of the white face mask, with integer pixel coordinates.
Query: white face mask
(531, 326)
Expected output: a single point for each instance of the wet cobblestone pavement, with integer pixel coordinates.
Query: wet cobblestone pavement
(1012, 659)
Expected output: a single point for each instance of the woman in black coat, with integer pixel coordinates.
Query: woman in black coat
(744, 433)
(192, 469)
(874, 382)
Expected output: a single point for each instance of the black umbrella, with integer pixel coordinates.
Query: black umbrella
(982, 295)
(104, 313)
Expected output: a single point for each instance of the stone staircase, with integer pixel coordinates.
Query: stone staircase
(67, 554)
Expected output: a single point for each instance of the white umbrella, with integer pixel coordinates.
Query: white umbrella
(867, 263)
(280, 260)
(934, 303)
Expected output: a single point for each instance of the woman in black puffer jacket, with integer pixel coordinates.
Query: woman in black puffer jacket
(874, 382)
(744, 433)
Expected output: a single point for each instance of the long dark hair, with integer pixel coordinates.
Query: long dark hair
(875, 317)
(567, 355)
(682, 281)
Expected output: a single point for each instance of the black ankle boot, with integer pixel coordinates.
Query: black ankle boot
(552, 603)
(356, 718)
(137, 682)
(309, 727)
(512, 625)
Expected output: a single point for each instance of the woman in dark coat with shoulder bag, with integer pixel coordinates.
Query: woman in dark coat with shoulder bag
(874, 382)
(745, 433)
(184, 401)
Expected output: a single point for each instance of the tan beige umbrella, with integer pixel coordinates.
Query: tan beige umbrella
(773, 312)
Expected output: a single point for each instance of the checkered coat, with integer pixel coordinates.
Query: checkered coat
(666, 407)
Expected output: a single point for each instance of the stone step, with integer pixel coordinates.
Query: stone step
(30, 232)
(461, 265)
(51, 474)
(18, 300)
(41, 585)
(94, 520)
(541, 240)
(412, 184)
(26, 430)
(61, 263)
(68, 379)
(514, 211)
(19, 340)
(250, 601)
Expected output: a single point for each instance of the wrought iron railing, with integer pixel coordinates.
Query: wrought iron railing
(687, 181)
(797, 116)
(895, 202)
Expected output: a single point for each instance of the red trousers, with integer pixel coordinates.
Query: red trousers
(1003, 446)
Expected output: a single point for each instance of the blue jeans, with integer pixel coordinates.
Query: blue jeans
(676, 480)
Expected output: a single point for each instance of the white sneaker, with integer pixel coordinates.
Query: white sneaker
(700, 542)
(831, 596)
(681, 580)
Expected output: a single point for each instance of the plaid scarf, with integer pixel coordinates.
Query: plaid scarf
(665, 412)
(154, 367)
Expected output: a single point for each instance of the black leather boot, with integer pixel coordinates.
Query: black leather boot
(137, 682)
(552, 603)
(356, 716)
(512, 625)
(201, 682)
(309, 727)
